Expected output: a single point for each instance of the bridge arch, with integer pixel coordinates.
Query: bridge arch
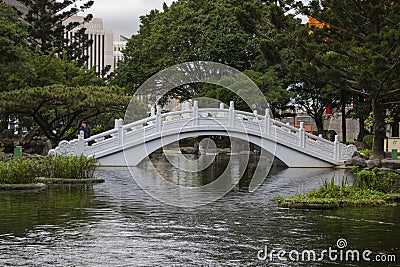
(130, 144)
(134, 154)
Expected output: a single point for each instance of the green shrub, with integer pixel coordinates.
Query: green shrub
(368, 141)
(372, 188)
(355, 169)
(17, 171)
(25, 170)
(72, 167)
(376, 180)
(366, 152)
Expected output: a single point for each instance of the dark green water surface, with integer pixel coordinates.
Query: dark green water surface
(117, 224)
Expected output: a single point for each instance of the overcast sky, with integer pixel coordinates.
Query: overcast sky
(122, 16)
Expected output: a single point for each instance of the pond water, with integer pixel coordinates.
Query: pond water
(118, 224)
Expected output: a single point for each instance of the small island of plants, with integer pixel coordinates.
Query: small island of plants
(21, 173)
(371, 188)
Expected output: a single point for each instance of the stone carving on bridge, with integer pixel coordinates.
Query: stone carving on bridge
(347, 152)
(66, 148)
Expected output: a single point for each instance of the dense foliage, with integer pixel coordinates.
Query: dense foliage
(377, 180)
(57, 109)
(14, 52)
(45, 86)
(353, 48)
(26, 170)
(198, 31)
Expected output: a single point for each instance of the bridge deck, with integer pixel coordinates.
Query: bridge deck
(280, 139)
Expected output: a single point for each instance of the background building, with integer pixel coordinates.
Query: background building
(119, 44)
(101, 51)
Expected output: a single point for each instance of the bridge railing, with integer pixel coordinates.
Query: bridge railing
(285, 134)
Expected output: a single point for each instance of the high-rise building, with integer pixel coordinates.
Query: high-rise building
(100, 53)
(120, 42)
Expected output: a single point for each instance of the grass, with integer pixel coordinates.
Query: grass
(20, 170)
(366, 152)
(366, 192)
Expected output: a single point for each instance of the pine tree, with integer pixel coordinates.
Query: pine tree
(48, 26)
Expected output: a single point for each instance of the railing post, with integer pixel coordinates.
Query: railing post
(158, 119)
(80, 149)
(267, 121)
(195, 113)
(255, 112)
(288, 124)
(116, 123)
(336, 147)
(302, 135)
(221, 114)
(232, 114)
(120, 132)
(152, 111)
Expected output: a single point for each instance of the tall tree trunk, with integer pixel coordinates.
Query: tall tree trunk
(319, 121)
(379, 130)
(395, 126)
(344, 126)
(4, 122)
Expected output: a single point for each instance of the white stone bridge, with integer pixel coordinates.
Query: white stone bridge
(128, 145)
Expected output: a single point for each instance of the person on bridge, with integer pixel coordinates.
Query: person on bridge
(85, 128)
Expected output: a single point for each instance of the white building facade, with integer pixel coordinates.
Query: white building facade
(100, 53)
(119, 44)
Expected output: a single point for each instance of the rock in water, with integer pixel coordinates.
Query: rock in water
(374, 163)
(357, 161)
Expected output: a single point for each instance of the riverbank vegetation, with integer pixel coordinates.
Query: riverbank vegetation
(371, 188)
(26, 170)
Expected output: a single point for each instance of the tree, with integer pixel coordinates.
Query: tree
(364, 39)
(361, 110)
(186, 31)
(357, 47)
(315, 100)
(57, 109)
(48, 27)
(49, 69)
(14, 52)
(284, 46)
(275, 89)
